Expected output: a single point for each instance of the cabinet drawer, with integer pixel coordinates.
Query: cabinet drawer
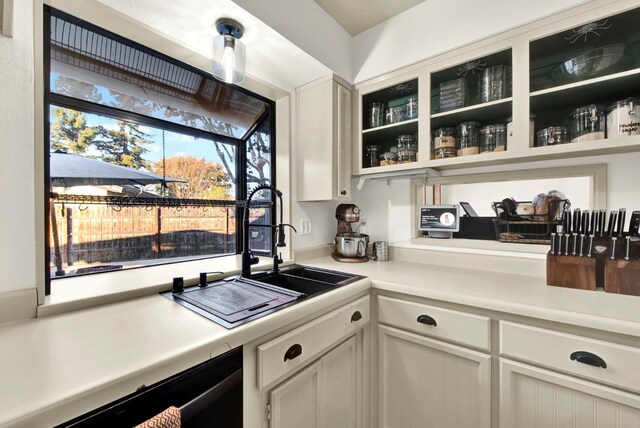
(472, 330)
(294, 349)
(572, 354)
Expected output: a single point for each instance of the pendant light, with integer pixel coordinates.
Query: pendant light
(228, 51)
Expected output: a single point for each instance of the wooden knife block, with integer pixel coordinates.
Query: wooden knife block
(622, 277)
(571, 271)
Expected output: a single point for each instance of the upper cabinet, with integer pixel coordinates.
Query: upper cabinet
(565, 86)
(324, 140)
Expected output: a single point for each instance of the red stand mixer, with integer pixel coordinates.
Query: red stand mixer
(350, 246)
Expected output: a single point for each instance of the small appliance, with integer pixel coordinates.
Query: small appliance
(350, 246)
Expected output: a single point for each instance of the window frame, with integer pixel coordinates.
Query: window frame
(54, 99)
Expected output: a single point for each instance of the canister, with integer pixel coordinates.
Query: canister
(587, 123)
(494, 83)
(445, 152)
(411, 108)
(444, 137)
(551, 136)
(532, 132)
(492, 136)
(623, 118)
(468, 142)
(376, 115)
(374, 155)
(396, 114)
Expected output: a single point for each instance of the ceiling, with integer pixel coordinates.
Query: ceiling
(357, 16)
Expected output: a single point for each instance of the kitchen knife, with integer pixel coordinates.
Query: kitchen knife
(585, 222)
(613, 248)
(592, 227)
(590, 246)
(627, 244)
(582, 245)
(612, 220)
(622, 213)
(634, 223)
(576, 221)
(566, 245)
(575, 244)
(601, 217)
(553, 243)
(567, 222)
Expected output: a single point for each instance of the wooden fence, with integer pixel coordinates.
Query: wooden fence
(97, 233)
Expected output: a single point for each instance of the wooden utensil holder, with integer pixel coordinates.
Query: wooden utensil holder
(571, 271)
(622, 277)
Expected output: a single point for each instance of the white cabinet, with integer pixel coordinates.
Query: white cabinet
(322, 395)
(324, 140)
(531, 397)
(429, 383)
(536, 397)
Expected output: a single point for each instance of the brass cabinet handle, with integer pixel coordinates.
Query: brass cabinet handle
(293, 352)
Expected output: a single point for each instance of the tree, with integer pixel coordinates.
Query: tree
(70, 132)
(202, 179)
(123, 145)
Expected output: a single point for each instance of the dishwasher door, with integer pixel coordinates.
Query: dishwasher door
(208, 395)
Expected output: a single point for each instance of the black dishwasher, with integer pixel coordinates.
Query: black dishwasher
(208, 395)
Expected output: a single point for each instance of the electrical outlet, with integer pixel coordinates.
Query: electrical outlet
(305, 226)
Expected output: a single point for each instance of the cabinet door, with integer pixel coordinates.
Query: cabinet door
(296, 402)
(323, 395)
(534, 397)
(426, 383)
(343, 143)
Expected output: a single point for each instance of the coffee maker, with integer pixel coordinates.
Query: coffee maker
(350, 246)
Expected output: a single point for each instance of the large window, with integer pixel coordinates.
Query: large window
(150, 160)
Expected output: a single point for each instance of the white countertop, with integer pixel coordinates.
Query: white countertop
(57, 367)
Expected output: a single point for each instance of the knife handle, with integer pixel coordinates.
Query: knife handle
(627, 244)
(611, 223)
(584, 222)
(582, 245)
(590, 246)
(553, 243)
(621, 218)
(613, 248)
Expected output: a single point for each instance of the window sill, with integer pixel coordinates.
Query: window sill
(91, 290)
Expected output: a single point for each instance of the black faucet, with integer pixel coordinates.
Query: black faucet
(247, 257)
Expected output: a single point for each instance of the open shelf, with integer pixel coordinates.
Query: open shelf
(491, 111)
(391, 126)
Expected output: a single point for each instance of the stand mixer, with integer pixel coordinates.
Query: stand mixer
(350, 246)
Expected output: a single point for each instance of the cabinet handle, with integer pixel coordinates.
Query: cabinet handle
(357, 316)
(344, 192)
(293, 352)
(426, 319)
(585, 357)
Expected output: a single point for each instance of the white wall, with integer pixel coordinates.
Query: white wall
(17, 212)
(388, 209)
(438, 26)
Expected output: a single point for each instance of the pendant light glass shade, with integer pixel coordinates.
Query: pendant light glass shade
(228, 52)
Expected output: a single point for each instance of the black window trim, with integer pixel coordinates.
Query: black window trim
(113, 112)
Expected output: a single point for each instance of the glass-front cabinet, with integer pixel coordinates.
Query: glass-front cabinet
(565, 86)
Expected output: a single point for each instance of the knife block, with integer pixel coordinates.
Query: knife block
(571, 271)
(622, 277)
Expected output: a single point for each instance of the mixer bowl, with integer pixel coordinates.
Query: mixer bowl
(352, 244)
(593, 63)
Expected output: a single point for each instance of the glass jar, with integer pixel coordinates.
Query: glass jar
(445, 152)
(374, 155)
(389, 158)
(411, 108)
(494, 83)
(587, 123)
(376, 115)
(623, 118)
(492, 136)
(468, 142)
(396, 114)
(444, 137)
(552, 136)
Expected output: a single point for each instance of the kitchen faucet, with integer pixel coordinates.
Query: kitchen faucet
(247, 257)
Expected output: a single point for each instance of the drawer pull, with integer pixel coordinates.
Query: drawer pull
(426, 319)
(585, 357)
(357, 316)
(293, 352)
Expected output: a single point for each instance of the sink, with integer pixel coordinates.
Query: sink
(307, 280)
(236, 300)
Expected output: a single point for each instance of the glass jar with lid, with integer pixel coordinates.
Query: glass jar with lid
(373, 153)
(411, 108)
(444, 137)
(468, 142)
(551, 136)
(492, 136)
(587, 123)
(407, 148)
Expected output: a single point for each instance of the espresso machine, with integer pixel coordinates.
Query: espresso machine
(350, 246)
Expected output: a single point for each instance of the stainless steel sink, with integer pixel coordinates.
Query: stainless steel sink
(234, 301)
